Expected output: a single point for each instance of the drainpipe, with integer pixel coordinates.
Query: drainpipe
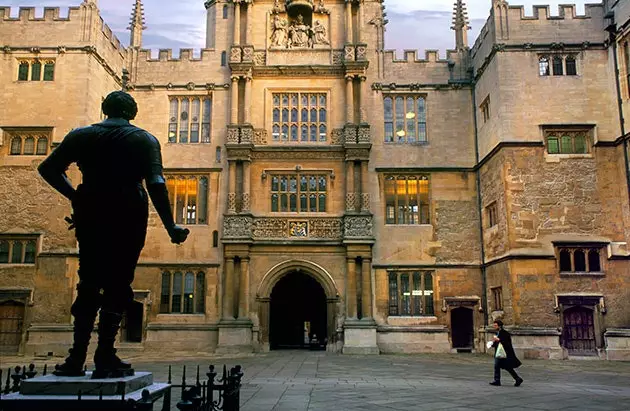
(612, 31)
(484, 282)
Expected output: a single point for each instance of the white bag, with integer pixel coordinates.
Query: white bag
(489, 344)
(500, 353)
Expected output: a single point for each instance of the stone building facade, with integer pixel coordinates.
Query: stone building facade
(335, 192)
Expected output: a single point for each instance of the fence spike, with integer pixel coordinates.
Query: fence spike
(169, 375)
(100, 395)
(7, 387)
(79, 395)
(184, 380)
(197, 383)
(45, 369)
(122, 397)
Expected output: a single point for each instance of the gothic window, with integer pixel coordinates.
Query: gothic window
(497, 298)
(567, 141)
(491, 215)
(23, 71)
(485, 109)
(223, 58)
(299, 193)
(16, 250)
(188, 195)
(34, 68)
(225, 12)
(626, 59)
(407, 199)
(183, 292)
(571, 66)
(215, 239)
(36, 71)
(217, 154)
(189, 120)
(558, 66)
(543, 66)
(405, 119)
(580, 260)
(411, 293)
(49, 71)
(299, 118)
(28, 143)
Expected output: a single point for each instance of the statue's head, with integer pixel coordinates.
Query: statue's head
(119, 104)
(300, 19)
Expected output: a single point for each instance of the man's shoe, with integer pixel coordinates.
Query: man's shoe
(73, 365)
(496, 383)
(518, 382)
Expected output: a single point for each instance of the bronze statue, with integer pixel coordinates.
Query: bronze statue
(110, 214)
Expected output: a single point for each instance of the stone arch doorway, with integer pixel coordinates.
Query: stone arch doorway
(297, 312)
(308, 292)
(462, 332)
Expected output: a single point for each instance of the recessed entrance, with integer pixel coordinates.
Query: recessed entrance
(462, 332)
(298, 312)
(11, 322)
(579, 331)
(132, 323)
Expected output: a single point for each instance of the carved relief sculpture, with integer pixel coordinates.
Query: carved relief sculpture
(279, 33)
(320, 34)
(297, 33)
(320, 8)
(300, 34)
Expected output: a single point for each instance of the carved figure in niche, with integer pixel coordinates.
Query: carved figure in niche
(320, 34)
(320, 8)
(279, 35)
(278, 8)
(300, 33)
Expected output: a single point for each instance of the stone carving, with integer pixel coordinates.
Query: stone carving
(279, 34)
(278, 7)
(351, 201)
(297, 155)
(232, 135)
(320, 35)
(210, 86)
(357, 226)
(190, 86)
(235, 54)
(237, 227)
(350, 134)
(61, 49)
(336, 136)
(260, 58)
(298, 228)
(320, 8)
(365, 202)
(300, 33)
(337, 57)
(361, 52)
(6, 49)
(325, 228)
(231, 202)
(246, 203)
(247, 135)
(348, 53)
(248, 54)
(364, 134)
(260, 137)
(270, 228)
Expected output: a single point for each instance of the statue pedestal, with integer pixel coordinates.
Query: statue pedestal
(83, 393)
(359, 337)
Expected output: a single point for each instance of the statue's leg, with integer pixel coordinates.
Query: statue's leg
(117, 297)
(84, 310)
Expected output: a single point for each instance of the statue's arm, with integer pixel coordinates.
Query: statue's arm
(53, 168)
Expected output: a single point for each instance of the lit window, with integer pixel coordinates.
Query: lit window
(188, 195)
(183, 293)
(189, 120)
(407, 199)
(299, 118)
(411, 293)
(405, 119)
(543, 66)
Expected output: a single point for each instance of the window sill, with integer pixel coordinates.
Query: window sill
(180, 315)
(408, 225)
(404, 143)
(582, 274)
(14, 265)
(555, 158)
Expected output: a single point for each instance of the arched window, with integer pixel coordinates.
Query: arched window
(29, 146)
(218, 154)
(36, 71)
(571, 66)
(4, 252)
(16, 253)
(49, 71)
(558, 63)
(200, 293)
(166, 293)
(223, 58)
(215, 239)
(594, 264)
(23, 71)
(29, 254)
(42, 146)
(16, 146)
(225, 11)
(543, 66)
(579, 260)
(565, 260)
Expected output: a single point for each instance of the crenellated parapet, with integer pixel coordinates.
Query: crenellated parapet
(432, 69)
(187, 54)
(50, 14)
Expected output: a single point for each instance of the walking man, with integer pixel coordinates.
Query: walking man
(110, 214)
(509, 362)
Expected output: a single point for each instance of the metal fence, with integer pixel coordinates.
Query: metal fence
(204, 394)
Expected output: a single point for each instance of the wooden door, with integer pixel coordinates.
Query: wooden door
(11, 324)
(579, 331)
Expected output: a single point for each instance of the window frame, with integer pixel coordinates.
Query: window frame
(558, 135)
(45, 70)
(198, 304)
(39, 137)
(419, 120)
(276, 127)
(586, 251)
(484, 107)
(492, 215)
(497, 298)
(175, 175)
(548, 65)
(24, 242)
(175, 123)
(416, 307)
(317, 174)
(409, 215)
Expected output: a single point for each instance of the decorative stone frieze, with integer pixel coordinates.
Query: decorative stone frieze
(237, 227)
(365, 202)
(247, 135)
(246, 204)
(361, 52)
(248, 54)
(269, 228)
(260, 137)
(351, 201)
(236, 54)
(232, 203)
(260, 58)
(349, 52)
(357, 227)
(336, 136)
(233, 133)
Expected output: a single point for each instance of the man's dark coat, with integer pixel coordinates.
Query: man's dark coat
(511, 361)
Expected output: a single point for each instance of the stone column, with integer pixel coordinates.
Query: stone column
(234, 101)
(349, 33)
(232, 187)
(243, 296)
(248, 100)
(365, 194)
(363, 100)
(360, 20)
(228, 298)
(366, 288)
(350, 192)
(351, 288)
(237, 23)
(349, 100)
(246, 186)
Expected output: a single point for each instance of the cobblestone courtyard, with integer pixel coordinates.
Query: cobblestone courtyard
(295, 380)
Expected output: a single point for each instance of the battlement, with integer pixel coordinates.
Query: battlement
(565, 12)
(411, 56)
(166, 55)
(29, 14)
(109, 35)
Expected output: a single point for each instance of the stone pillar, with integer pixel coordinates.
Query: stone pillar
(246, 187)
(248, 100)
(350, 192)
(366, 288)
(349, 100)
(237, 23)
(360, 20)
(365, 194)
(228, 297)
(248, 29)
(243, 296)
(349, 33)
(351, 288)
(363, 100)
(232, 187)
(234, 101)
